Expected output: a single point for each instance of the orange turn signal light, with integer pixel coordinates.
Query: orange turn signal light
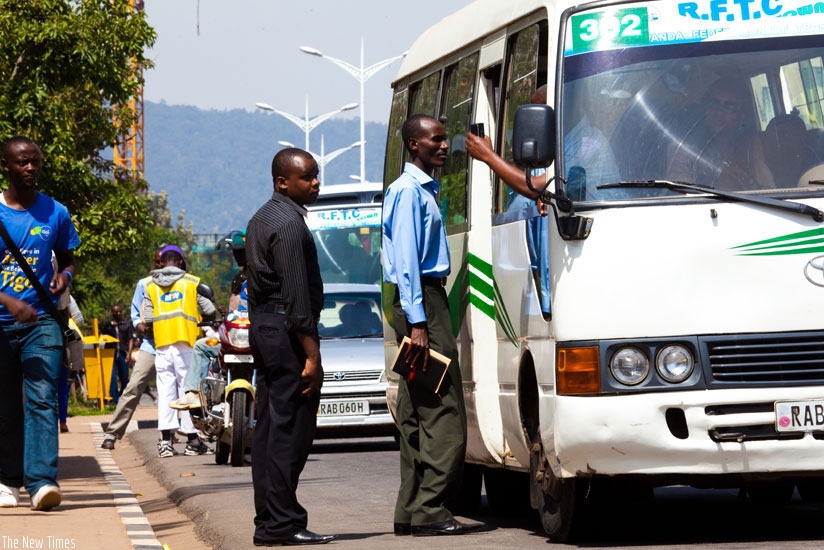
(578, 371)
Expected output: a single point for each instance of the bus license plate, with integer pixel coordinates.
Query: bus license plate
(343, 408)
(799, 416)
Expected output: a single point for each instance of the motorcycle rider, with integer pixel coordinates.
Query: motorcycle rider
(173, 307)
(204, 352)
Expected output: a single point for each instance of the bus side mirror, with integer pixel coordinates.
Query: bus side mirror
(533, 136)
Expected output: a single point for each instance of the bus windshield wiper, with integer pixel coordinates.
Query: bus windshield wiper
(684, 187)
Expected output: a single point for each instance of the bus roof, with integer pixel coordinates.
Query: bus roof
(466, 25)
(348, 194)
(344, 188)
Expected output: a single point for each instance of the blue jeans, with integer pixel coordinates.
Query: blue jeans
(63, 393)
(30, 359)
(120, 372)
(202, 355)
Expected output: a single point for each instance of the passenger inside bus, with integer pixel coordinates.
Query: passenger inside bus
(787, 150)
(588, 157)
(343, 259)
(716, 142)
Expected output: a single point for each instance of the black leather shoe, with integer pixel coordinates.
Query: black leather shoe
(108, 443)
(451, 527)
(307, 537)
(301, 537)
(403, 529)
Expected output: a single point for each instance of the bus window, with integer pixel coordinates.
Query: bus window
(663, 116)
(456, 114)
(804, 91)
(393, 165)
(424, 95)
(763, 99)
(349, 254)
(521, 83)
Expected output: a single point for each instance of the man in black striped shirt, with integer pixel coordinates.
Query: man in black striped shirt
(285, 299)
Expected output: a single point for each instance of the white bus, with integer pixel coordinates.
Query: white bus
(676, 333)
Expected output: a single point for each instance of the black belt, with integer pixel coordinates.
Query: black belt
(433, 281)
(280, 309)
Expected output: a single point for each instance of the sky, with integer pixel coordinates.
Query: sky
(231, 54)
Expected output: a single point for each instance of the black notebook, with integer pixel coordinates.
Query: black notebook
(435, 372)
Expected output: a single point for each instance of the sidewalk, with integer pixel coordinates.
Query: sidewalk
(99, 508)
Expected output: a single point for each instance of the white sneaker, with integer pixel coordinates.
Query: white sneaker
(46, 498)
(9, 496)
(189, 401)
(165, 449)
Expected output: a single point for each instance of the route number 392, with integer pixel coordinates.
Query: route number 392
(596, 30)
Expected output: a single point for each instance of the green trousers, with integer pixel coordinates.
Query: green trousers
(432, 427)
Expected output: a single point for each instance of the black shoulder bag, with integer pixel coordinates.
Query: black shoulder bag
(69, 334)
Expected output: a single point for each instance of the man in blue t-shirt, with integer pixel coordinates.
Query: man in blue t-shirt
(31, 342)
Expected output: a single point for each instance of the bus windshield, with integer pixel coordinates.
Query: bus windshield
(348, 242)
(682, 92)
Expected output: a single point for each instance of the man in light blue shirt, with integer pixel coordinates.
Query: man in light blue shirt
(410, 209)
(416, 261)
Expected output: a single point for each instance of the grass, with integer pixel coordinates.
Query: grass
(78, 407)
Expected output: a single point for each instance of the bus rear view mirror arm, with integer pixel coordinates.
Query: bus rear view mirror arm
(570, 227)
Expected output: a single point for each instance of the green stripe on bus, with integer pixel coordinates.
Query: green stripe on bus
(479, 285)
(785, 252)
(802, 240)
(458, 297)
(484, 307)
(480, 265)
(503, 317)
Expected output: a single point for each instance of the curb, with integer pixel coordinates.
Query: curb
(138, 528)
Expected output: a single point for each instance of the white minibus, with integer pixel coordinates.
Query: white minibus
(664, 322)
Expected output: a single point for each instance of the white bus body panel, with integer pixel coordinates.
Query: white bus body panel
(624, 437)
(674, 270)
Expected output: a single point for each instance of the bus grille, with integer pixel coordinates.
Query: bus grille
(752, 359)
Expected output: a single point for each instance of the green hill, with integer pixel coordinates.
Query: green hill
(216, 165)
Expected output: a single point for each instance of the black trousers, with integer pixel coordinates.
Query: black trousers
(285, 428)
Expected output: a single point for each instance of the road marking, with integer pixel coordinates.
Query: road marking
(138, 528)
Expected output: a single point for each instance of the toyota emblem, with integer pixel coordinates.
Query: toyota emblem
(342, 375)
(814, 271)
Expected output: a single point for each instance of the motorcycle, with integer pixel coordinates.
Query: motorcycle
(227, 395)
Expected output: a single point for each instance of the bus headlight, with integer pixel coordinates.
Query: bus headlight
(629, 366)
(674, 363)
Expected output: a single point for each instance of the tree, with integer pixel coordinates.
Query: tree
(109, 279)
(64, 64)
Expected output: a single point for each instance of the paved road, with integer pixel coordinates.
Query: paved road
(349, 487)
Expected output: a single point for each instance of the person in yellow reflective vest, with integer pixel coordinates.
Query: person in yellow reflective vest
(172, 308)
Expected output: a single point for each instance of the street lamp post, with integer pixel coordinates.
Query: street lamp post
(361, 75)
(324, 159)
(305, 123)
